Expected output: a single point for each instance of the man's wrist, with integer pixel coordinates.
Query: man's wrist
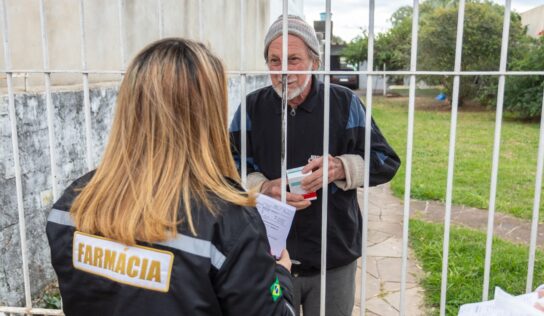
(256, 180)
(340, 171)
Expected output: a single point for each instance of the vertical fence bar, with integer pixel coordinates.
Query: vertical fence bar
(200, 22)
(409, 150)
(384, 81)
(243, 113)
(284, 94)
(161, 23)
(48, 102)
(496, 149)
(536, 203)
(257, 30)
(451, 159)
(86, 98)
(16, 159)
(121, 5)
(325, 188)
(368, 131)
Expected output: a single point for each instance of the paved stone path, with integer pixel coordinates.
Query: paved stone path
(385, 247)
(505, 226)
(384, 256)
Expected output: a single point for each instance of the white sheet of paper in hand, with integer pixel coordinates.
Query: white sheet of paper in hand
(277, 218)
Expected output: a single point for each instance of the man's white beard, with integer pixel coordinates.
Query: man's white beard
(296, 91)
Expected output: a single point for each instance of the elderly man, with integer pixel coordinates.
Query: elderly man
(305, 95)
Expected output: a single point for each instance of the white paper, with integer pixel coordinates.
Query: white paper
(504, 304)
(277, 218)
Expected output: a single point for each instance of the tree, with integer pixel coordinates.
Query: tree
(402, 14)
(481, 48)
(356, 50)
(523, 94)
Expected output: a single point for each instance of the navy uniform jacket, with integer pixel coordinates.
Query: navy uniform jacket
(305, 138)
(225, 270)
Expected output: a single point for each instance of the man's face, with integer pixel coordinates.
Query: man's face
(299, 59)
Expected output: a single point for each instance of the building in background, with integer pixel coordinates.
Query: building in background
(534, 20)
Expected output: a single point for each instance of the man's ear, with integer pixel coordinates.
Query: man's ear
(315, 65)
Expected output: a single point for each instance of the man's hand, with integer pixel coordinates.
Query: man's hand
(314, 181)
(272, 188)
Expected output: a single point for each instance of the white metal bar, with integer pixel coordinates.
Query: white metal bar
(284, 58)
(291, 72)
(368, 132)
(243, 114)
(200, 22)
(496, 149)
(409, 150)
(325, 187)
(536, 203)
(242, 34)
(243, 131)
(121, 5)
(16, 159)
(32, 311)
(160, 16)
(384, 82)
(257, 30)
(86, 98)
(451, 159)
(374, 72)
(49, 103)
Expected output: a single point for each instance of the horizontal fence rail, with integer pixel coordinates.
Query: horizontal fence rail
(293, 72)
(243, 72)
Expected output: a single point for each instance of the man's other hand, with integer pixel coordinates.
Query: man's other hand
(314, 181)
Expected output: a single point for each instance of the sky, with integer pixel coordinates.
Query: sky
(349, 16)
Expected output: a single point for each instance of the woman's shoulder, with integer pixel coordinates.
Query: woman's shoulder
(70, 193)
(227, 224)
(227, 214)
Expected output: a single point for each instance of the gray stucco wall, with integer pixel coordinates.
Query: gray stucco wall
(69, 129)
(103, 43)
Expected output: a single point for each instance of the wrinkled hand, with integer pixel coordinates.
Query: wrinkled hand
(272, 188)
(285, 260)
(314, 181)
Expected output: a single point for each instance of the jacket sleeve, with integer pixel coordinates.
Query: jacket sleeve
(384, 162)
(249, 281)
(235, 132)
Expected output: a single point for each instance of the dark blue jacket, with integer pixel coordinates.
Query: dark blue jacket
(305, 138)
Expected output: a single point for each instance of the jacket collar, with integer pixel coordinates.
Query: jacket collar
(309, 103)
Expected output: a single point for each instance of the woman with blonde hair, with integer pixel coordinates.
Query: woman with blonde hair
(162, 226)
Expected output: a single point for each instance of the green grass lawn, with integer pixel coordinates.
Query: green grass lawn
(466, 265)
(473, 157)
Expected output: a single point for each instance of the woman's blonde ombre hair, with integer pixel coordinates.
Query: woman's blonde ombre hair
(169, 145)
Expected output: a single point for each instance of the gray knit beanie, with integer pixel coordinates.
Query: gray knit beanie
(295, 26)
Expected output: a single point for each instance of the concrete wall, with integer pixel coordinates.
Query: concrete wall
(104, 45)
(534, 20)
(69, 147)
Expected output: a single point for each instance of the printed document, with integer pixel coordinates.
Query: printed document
(277, 218)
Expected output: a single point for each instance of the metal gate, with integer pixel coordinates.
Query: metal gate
(326, 72)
